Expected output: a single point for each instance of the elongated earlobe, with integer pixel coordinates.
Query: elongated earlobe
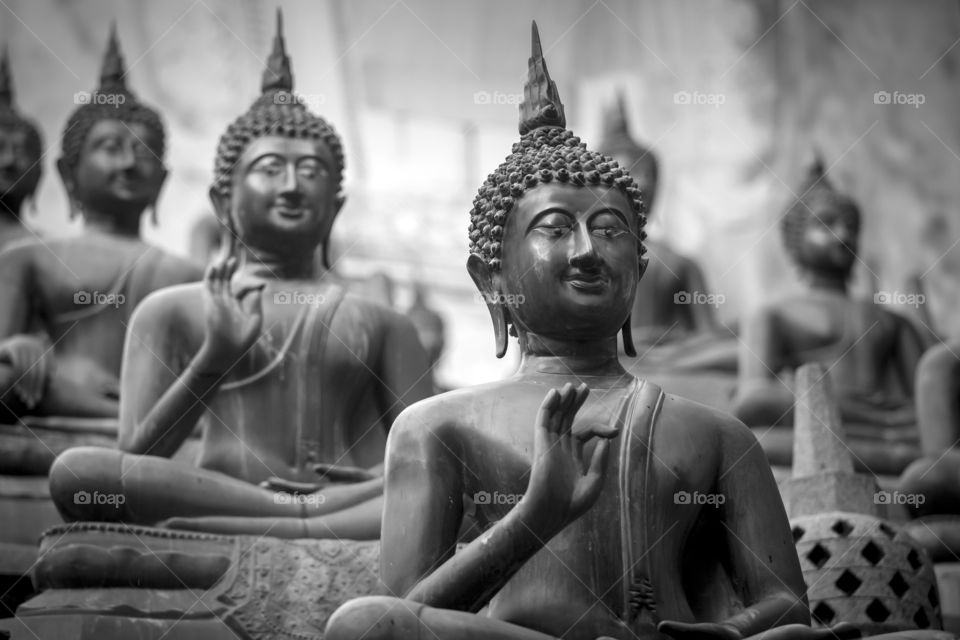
(499, 315)
(627, 332)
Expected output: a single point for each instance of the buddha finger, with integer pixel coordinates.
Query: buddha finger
(567, 396)
(547, 409)
(212, 278)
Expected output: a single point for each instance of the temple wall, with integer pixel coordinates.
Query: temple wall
(733, 94)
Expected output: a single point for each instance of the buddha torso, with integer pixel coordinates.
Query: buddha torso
(655, 309)
(856, 339)
(82, 291)
(304, 394)
(578, 582)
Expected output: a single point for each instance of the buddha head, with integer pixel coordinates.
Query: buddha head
(20, 148)
(279, 168)
(639, 161)
(113, 148)
(822, 227)
(556, 231)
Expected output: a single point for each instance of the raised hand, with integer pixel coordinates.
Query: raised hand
(234, 315)
(563, 484)
(31, 359)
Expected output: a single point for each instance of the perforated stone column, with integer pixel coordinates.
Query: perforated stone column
(858, 567)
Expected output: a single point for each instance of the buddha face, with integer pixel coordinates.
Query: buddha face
(19, 166)
(284, 193)
(829, 241)
(119, 170)
(570, 265)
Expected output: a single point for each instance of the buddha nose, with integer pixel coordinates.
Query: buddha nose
(127, 157)
(584, 253)
(291, 185)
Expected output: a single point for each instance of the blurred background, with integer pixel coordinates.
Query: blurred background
(733, 95)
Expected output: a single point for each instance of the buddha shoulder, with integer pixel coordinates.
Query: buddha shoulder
(709, 428)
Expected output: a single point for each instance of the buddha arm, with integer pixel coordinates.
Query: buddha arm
(159, 403)
(704, 315)
(422, 516)
(762, 399)
(910, 349)
(16, 284)
(404, 369)
(763, 558)
(938, 399)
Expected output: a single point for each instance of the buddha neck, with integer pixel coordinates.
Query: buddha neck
(821, 280)
(278, 265)
(541, 354)
(127, 225)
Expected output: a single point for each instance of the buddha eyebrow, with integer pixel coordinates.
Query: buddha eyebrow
(611, 210)
(273, 155)
(554, 209)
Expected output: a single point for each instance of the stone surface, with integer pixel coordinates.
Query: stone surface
(269, 589)
(866, 571)
(817, 427)
(830, 491)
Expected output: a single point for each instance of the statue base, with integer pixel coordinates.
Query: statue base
(114, 581)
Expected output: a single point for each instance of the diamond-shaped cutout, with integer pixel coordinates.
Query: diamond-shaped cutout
(818, 555)
(848, 583)
(872, 552)
(920, 619)
(914, 559)
(933, 597)
(842, 528)
(797, 534)
(898, 584)
(887, 530)
(877, 612)
(823, 613)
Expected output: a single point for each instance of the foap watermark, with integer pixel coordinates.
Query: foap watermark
(898, 297)
(698, 98)
(698, 297)
(485, 497)
(896, 497)
(109, 99)
(97, 298)
(513, 299)
(299, 297)
(497, 98)
(686, 497)
(282, 497)
(898, 97)
(311, 101)
(112, 499)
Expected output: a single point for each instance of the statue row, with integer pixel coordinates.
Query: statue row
(294, 384)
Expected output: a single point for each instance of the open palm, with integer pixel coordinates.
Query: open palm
(563, 483)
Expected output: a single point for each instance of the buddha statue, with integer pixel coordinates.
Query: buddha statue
(870, 352)
(656, 315)
(292, 381)
(936, 475)
(429, 325)
(607, 508)
(20, 165)
(65, 303)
